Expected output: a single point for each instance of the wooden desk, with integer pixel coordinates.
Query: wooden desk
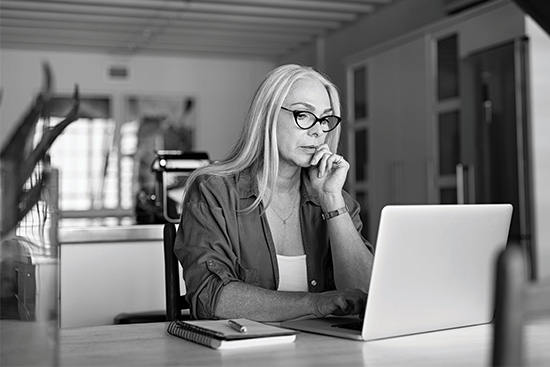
(150, 345)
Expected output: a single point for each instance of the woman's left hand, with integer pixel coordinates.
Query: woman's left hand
(328, 171)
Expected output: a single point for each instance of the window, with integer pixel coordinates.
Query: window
(447, 104)
(360, 93)
(447, 68)
(358, 138)
(86, 156)
(103, 163)
(449, 142)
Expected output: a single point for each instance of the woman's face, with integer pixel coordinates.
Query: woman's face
(297, 146)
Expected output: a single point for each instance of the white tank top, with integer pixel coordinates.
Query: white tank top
(292, 273)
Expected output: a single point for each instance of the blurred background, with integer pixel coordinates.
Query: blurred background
(444, 102)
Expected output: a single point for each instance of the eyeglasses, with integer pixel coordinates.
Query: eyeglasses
(306, 120)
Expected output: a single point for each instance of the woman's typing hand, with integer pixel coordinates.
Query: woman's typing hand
(346, 302)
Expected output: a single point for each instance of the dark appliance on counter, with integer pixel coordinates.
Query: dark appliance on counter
(171, 169)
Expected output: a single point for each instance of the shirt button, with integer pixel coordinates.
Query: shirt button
(314, 282)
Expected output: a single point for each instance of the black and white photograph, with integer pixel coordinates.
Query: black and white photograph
(274, 183)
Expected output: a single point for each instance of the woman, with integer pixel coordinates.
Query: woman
(269, 234)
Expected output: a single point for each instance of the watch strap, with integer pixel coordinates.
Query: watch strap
(334, 213)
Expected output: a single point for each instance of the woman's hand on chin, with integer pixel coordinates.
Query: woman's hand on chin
(328, 171)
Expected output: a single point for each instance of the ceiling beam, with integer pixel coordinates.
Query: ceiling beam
(163, 8)
(10, 34)
(46, 20)
(29, 28)
(171, 17)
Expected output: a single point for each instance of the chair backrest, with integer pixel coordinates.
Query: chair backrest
(516, 298)
(175, 302)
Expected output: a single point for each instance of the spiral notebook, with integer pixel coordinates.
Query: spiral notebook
(218, 334)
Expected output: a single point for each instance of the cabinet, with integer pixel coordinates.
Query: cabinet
(409, 140)
(394, 130)
(106, 271)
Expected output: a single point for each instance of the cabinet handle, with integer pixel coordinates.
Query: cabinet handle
(488, 111)
(465, 184)
(487, 105)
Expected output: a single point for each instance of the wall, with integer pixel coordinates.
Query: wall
(223, 87)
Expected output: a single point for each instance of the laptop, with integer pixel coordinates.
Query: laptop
(434, 269)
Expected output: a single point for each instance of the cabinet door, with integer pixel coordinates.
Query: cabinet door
(385, 131)
(412, 123)
(396, 136)
(399, 124)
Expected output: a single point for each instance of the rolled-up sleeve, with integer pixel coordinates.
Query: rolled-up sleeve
(355, 214)
(203, 247)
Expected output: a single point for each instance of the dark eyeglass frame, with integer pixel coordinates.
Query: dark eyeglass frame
(296, 113)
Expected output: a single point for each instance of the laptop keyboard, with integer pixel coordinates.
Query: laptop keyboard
(358, 325)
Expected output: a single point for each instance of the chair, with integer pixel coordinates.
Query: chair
(175, 302)
(516, 298)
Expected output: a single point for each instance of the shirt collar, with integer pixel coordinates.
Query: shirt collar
(247, 186)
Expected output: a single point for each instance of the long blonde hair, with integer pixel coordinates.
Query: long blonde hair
(257, 146)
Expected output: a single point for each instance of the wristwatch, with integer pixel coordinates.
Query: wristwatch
(334, 213)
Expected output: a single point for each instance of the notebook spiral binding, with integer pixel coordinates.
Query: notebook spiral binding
(193, 333)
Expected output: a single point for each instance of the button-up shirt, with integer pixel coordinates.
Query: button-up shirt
(218, 241)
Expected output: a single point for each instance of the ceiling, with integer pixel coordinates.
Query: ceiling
(244, 28)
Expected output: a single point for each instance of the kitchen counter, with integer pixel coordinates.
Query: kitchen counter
(94, 234)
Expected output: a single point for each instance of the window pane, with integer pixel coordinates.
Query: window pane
(447, 68)
(449, 141)
(84, 155)
(360, 92)
(126, 183)
(361, 157)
